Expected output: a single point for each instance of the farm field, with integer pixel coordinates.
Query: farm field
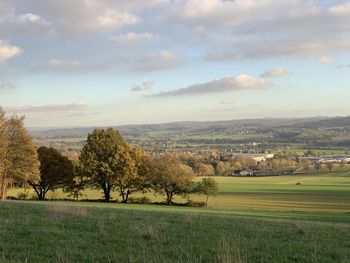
(328, 192)
(93, 232)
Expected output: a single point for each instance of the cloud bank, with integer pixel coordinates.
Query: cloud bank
(239, 83)
(48, 108)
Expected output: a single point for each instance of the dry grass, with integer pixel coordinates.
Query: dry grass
(229, 254)
(150, 233)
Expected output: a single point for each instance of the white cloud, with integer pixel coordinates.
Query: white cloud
(30, 18)
(72, 18)
(342, 9)
(251, 29)
(132, 37)
(27, 23)
(238, 12)
(325, 60)
(275, 72)
(238, 83)
(116, 19)
(8, 51)
(48, 108)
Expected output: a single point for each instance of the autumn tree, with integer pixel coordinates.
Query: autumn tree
(100, 159)
(207, 186)
(203, 169)
(56, 171)
(134, 170)
(172, 177)
(223, 168)
(18, 158)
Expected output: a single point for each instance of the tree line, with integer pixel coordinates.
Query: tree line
(106, 163)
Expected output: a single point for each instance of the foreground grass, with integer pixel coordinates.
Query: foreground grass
(62, 232)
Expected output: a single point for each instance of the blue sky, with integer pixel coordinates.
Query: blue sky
(110, 62)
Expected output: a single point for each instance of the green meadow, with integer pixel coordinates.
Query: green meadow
(96, 232)
(327, 192)
(304, 218)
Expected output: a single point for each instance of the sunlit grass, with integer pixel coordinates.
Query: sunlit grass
(329, 192)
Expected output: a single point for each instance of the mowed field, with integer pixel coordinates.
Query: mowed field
(258, 219)
(328, 192)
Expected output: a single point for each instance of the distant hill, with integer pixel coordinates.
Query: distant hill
(185, 126)
(336, 122)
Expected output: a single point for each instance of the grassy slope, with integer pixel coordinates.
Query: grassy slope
(56, 232)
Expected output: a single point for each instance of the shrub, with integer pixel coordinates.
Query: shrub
(22, 196)
(139, 200)
(192, 203)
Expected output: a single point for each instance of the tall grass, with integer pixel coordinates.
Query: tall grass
(63, 233)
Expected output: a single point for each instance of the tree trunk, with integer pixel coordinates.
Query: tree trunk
(169, 197)
(124, 195)
(41, 195)
(107, 193)
(3, 186)
(206, 201)
(127, 196)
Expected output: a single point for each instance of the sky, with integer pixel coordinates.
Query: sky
(67, 63)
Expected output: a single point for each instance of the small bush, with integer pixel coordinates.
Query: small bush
(22, 196)
(192, 203)
(139, 200)
(33, 197)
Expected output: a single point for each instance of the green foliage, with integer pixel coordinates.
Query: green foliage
(172, 177)
(137, 172)
(56, 171)
(18, 158)
(112, 164)
(100, 159)
(207, 186)
(79, 183)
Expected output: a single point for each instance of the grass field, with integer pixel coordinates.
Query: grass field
(329, 192)
(304, 218)
(69, 232)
